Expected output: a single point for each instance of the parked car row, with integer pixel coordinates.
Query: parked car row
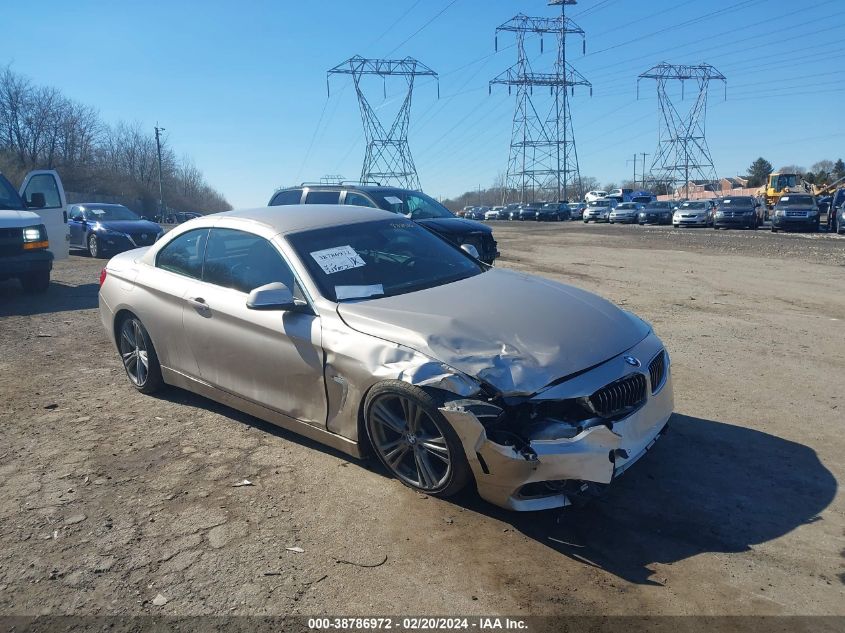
(794, 211)
(532, 211)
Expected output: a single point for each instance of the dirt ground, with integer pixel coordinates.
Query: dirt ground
(112, 502)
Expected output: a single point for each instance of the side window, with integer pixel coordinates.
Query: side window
(243, 261)
(322, 197)
(289, 196)
(44, 184)
(75, 213)
(184, 254)
(358, 200)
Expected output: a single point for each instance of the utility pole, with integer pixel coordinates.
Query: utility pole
(635, 168)
(159, 130)
(479, 195)
(644, 155)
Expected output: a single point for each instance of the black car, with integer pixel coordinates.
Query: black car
(553, 212)
(412, 204)
(796, 211)
(737, 211)
(526, 212)
(511, 211)
(657, 212)
(107, 229)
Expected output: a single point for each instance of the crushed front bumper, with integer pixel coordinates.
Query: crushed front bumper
(543, 475)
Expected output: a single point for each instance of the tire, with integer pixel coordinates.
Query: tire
(36, 282)
(134, 345)
(774, 230)
(425, 455)
(94, 249)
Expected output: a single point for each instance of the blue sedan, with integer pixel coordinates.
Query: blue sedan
(107, 229)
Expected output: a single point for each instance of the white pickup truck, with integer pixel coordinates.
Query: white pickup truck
(33, 229)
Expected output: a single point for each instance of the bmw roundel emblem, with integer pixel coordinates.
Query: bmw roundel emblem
(633, 362)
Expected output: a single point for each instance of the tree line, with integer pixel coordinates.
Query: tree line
(40, 128)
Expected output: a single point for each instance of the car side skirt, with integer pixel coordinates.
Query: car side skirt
(337, 442)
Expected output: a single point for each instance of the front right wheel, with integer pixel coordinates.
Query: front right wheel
(414, 441)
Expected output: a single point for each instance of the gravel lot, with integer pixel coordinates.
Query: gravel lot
(116, 503)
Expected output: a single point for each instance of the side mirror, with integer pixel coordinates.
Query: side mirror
(470, 250)
(274, 296)
(37, 200)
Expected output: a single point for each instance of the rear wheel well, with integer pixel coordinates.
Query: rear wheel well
(119, 318)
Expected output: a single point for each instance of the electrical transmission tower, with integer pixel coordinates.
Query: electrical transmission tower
(543, 158)
(682, 151)
(388, 156)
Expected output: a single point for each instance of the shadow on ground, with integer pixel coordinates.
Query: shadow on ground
(705, 487)
(58, 298)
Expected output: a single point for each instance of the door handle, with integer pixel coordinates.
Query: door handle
(198, 303)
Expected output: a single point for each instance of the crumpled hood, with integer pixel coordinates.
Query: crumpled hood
(516, 332)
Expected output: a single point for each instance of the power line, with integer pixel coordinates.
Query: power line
(419, 30)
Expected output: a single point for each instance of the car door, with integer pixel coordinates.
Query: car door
(45, 186)
(270, 357)
(76, 227)
(160, 298)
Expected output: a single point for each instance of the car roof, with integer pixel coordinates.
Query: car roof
(353, 187)
(300, 217)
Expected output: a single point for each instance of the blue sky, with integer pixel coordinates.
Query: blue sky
(241, 86)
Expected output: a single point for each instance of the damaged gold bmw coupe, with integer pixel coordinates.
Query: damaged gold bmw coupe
(364, 331)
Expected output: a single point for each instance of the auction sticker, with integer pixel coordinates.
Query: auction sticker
(337, 259)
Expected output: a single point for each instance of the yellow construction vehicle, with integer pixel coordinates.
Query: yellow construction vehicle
(827, 190)
(780, 184)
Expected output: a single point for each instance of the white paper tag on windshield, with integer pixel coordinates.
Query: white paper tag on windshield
(393, 199)
(357, 292)
(334, 260)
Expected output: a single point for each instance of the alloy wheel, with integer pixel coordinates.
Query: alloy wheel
(409, 442)
(93, 246)
(133, 350)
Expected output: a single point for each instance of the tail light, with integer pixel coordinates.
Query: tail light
(102, 277)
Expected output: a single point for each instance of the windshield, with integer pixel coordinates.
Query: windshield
(626, 206)
(9, 198)
(795, 201)
(109, 212)
(659, 206)
(600, 203)
(694, 205)
(411, 204)
(737, 202)
(378, 259)
(786, 180)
